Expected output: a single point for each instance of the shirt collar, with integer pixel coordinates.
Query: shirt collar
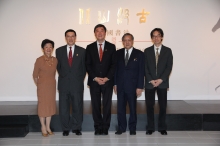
(73, 46)
(103, 43)
(129, 50)
(159, 48)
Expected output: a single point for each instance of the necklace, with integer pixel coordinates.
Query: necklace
(47, 59)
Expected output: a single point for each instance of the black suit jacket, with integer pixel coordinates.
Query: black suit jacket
(130, 77)
(106, 67)
(164, 66)
(71, 79)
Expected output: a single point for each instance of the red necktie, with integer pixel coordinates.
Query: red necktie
(70, 57)
(100, 52)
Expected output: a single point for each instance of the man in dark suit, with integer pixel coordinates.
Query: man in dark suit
(72, 71)
(129, 82)
(158, 66)
(100, 65)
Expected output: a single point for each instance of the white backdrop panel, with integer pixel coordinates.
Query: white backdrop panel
(187, 26)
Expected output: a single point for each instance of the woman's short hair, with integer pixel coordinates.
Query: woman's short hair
(44, 42)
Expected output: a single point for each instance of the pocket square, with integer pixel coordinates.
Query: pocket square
(135, 59)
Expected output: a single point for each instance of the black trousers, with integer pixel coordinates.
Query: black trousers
(124, 98)
(76, 101)
(101, 95)
(150, 101)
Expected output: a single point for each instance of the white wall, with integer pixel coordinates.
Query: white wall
(187, 26)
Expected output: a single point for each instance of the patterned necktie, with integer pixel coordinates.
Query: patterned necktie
(157, 57)
(126, 58)
(70, 57)
(100, 52)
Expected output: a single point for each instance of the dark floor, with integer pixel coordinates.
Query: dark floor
(173, 107)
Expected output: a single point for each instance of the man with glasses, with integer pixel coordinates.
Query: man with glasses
(158, 66)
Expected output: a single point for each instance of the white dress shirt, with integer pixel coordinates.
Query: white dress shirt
(103, 45)
(68, 50)
(155, 49)
(129, 52)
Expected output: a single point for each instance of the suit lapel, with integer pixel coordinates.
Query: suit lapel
(105, 51)
(76, 53)
(131, 56)
(121, 56)
(162, 52)
(65, 55)
(152, 54)
(95, 51)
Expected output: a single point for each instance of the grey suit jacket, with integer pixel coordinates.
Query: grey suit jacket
(71, 79)
(164, 66)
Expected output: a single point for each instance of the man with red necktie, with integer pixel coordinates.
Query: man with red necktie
(100, 65)
(72, 71)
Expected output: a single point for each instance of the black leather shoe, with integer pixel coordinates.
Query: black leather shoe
(163, 132)
(65, 133)
(118, 132)
(105, 132)
(132, 132)
(78, 132)
(149, 132)
(98, 132)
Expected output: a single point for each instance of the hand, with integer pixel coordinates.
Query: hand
(99, 81)
(115, 89)
(35, 81)
(158, 82)
(105, 79)
(153, 82)
(138, 92)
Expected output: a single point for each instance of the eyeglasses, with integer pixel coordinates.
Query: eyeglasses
(156, 36)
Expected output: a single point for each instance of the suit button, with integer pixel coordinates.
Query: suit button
(100, 72)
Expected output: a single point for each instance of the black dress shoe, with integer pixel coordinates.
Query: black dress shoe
(132, 132)
(163, 132)
(65, 133)
(119, 132)
(78, 132)
(98, 132)
(149, 132)
(105, 132)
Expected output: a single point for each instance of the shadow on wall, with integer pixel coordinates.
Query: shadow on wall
(217, 26)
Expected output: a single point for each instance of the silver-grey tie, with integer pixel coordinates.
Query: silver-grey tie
(126, 58)
(157, 57)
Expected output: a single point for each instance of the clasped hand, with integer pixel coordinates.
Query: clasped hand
(156, 83)
(101, 81)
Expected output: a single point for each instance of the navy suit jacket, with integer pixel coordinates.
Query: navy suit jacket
(129, 78)
(164, 66)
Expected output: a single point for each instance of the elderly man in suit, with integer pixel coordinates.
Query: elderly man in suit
(72, 71)
(158, 66)
(129, 83)
(100, 65)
